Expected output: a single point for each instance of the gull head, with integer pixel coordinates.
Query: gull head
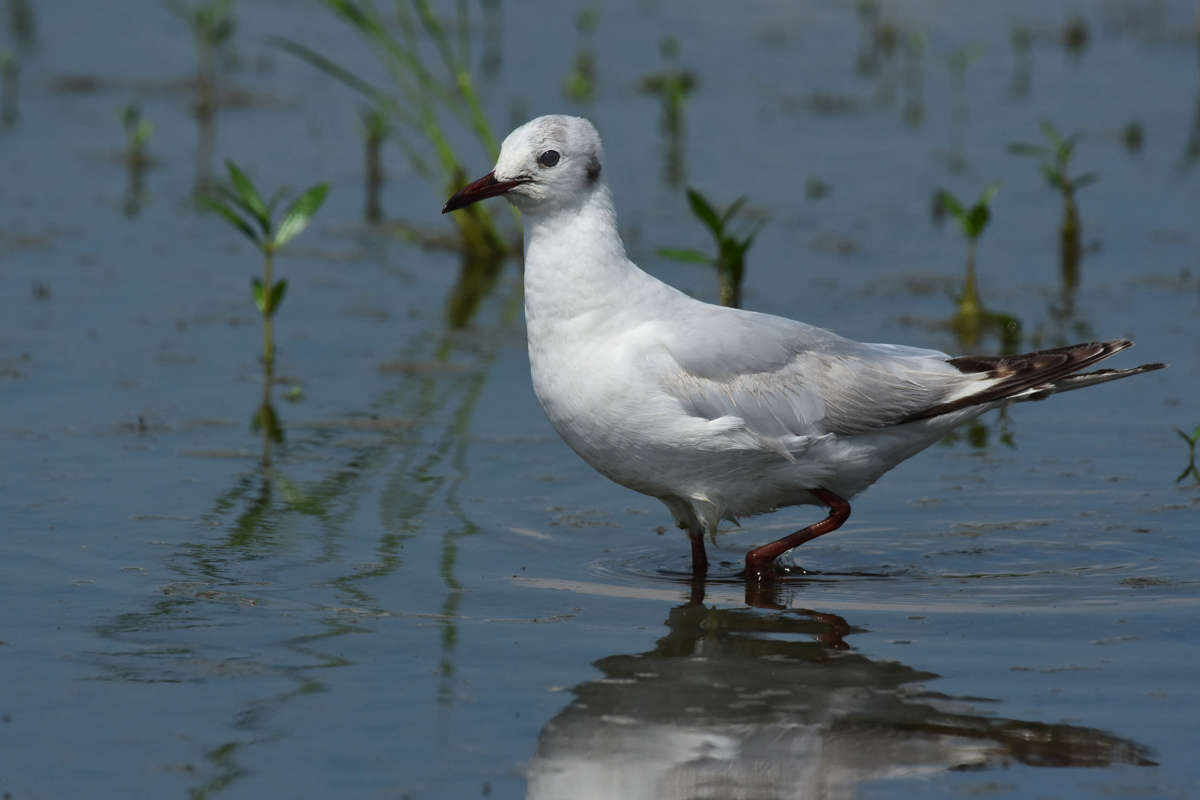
(549, 162)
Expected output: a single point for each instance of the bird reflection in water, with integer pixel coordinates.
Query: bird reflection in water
(733, 702)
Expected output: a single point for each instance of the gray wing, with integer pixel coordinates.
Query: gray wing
(783, 377)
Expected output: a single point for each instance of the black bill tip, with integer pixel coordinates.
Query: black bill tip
(485, 187)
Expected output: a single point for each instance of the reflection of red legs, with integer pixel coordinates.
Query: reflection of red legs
(838, 628)
(760, 562)
(699, 557)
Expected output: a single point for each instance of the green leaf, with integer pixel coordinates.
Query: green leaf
(260, 296)
(951, 204)
(684, 254)
(1023, 149)
(277, 293)
(1084, 180)
(249, 195)
(230, 216)
(1053, 177)
(977, 220)
(754, 232)
(989, 192)
(297, 216)
(733, 209)
(1052, 134)
(704, 211)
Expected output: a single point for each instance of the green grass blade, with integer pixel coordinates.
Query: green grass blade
(377, 96)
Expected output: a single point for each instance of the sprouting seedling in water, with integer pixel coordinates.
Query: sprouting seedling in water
(971, 319)
(730, 260)
(138, 132)
(375, 130)
(242, 206)
(672, 85)
(580, 83)
(212, 26)
(10, 69)
(1055, 166)
(429, 59)
(1191, 443)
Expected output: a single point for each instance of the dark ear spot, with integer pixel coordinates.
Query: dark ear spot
(593, 170)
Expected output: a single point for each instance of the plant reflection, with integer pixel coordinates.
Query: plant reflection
(979, 434)
(292, 511)
(212, 27)
(1191, 441)
(741, 703)
(972, 321)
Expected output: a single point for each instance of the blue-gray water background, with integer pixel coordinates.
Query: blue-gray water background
(426, 594)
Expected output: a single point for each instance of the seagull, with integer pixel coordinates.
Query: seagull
(718, 412)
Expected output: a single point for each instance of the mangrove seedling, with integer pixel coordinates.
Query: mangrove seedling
(10, 69)
(959, 61)
(580, 83)
(877, 38)
(137, 134)
(212, 26)
(1022, 77)
(242, 206)
(730, 260)
(672, 85)
(138, 131)
(1075, 36)
(375, 130)
(1055, 162)
(971, 320)
(915, 45)
(428, 95)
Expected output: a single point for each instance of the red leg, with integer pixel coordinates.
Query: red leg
(760, 562)
(699, 557)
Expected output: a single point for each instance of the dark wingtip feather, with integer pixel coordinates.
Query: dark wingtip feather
(1039, 371)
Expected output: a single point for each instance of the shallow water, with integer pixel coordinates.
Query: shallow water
(1013, 614)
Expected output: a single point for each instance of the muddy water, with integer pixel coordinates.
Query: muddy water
(421, 592)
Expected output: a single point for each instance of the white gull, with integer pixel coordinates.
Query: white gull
(722, 413)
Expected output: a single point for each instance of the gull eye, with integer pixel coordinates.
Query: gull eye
(548, 158)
